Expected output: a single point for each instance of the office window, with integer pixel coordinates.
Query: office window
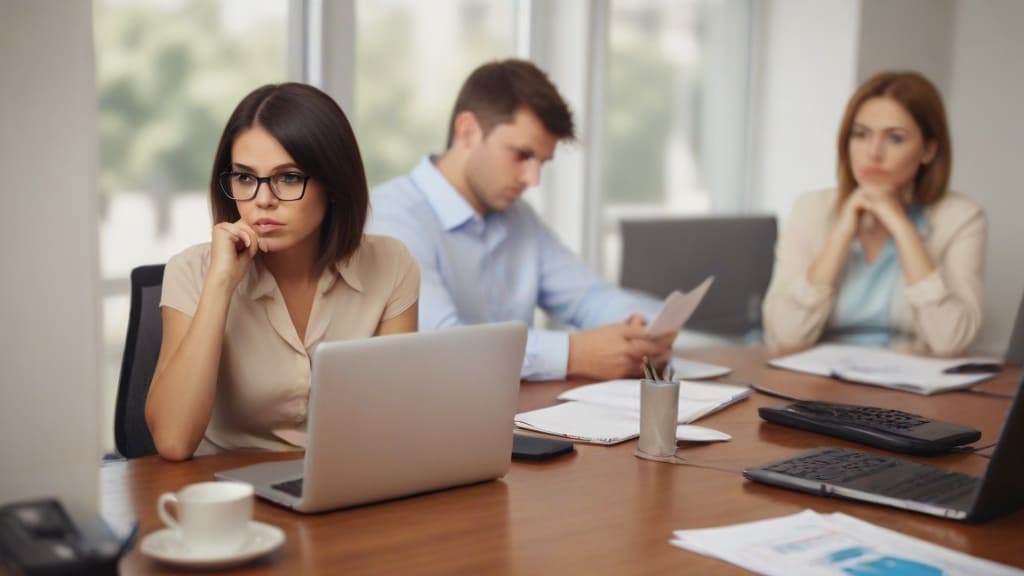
(169, 72)
(667, 125)
(411, 58)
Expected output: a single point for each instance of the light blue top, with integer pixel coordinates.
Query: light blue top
(493, 268)
(863, 306)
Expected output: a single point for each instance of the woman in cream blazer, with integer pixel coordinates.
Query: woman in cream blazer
(890, 257)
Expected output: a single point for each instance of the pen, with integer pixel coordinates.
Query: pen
(647, 371)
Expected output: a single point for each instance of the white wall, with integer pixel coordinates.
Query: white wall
(907, 34)
(49, 297)
(984, 104)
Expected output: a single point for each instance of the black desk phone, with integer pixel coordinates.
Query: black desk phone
(40, 537)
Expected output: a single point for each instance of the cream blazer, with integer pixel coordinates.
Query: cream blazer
(939, 315)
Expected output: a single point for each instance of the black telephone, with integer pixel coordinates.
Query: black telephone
(40, 537)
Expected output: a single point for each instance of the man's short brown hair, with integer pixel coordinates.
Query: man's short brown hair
(496, 90)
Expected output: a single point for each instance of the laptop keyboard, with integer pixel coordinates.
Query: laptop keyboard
(293, 487)
(834, 466)
(840, 466)
(933, 484)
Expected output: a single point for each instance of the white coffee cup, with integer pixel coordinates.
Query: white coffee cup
(212, 518)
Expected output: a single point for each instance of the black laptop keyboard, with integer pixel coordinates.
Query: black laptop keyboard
(293, 487)
(833, 466)
(931, 485)
(839, 466)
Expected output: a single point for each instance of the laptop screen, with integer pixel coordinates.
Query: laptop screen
(1002, 487)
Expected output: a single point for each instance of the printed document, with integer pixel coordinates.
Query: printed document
(812, 544)
(881, 367)
(677, 309)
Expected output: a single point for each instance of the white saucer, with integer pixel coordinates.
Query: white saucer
(165, 545)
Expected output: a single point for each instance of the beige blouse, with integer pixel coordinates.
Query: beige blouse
(265, 366)
(939, 315)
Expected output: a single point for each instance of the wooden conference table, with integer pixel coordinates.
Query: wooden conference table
(598, 511)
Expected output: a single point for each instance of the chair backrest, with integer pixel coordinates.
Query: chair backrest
(1015, 353)
(141, 349)
(662, 255)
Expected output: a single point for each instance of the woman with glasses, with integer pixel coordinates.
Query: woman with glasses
(891, 257)
(288, 267)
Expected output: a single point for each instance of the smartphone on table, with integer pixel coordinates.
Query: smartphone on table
(536, 448)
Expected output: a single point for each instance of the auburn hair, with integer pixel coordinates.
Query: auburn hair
(922, 101)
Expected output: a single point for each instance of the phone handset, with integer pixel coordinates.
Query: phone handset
(42, 537)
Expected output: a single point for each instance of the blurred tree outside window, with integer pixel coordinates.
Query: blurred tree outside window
(411, 58)
(168, 75)
(652, 119)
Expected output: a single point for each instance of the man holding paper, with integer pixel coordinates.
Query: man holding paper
(487, 257)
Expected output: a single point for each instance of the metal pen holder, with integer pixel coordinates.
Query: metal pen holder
(659, 410)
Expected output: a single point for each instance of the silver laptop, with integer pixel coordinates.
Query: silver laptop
(399, 415)
(908, 485)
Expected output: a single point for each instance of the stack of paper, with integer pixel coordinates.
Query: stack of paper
(609, 412)
(812, 544)
(885, 368)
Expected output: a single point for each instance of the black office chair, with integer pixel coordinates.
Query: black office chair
(1015, 353)
(141, 349)
(665, 254)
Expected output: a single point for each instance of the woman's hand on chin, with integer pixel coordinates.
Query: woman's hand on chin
(233, 246)
(883, 204)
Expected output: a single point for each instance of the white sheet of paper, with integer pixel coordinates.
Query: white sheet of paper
(694, 433)
(812, 544)
(882, 368)
(677, 309)
(583, 421)
(696, 399)
(598, 424)
(692, 370)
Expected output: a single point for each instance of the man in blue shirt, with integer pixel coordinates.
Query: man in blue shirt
(485, 256)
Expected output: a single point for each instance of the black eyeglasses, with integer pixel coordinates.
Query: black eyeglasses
(286, 187)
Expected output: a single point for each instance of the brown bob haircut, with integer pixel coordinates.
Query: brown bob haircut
(311, 127)
(496, 90)
(922, 101)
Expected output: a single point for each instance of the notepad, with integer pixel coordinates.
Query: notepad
(884, 368)
(609, 412)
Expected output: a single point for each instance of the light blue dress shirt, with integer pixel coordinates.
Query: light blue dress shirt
(476, 269)
(863, 306)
